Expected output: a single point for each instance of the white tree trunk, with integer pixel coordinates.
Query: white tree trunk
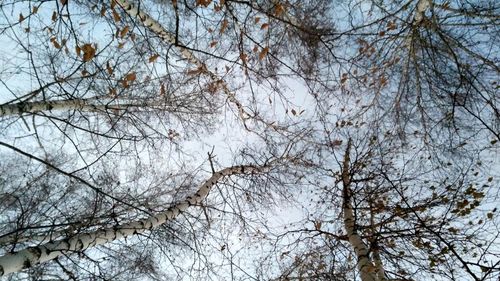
(422, 7)
(170, 38)
(13, 262)
(364, 263)
(91, 104)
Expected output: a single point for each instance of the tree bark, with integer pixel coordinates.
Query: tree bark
(16, 261)
(91, 104)
(422, 7)
(364, 263)
(187, 54)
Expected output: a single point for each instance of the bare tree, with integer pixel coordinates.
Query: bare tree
(373, 121)
(392, 212)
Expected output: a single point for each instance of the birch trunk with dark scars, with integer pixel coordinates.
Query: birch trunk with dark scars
(16, 261)
(367, 270)
(91, 104)
(170, 38)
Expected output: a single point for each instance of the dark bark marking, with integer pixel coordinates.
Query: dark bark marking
(79, 245)
(27, 263)
(36, 252)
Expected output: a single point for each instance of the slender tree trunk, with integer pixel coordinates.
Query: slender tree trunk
(91, 104)
(422, 7)
(13, 238)
(377, 260)
(364, 263)
(187, 54)
(16, 261)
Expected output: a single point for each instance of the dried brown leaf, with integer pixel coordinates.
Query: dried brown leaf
(130, 77)
(153, 58)
(109, 68)
(263, 53)
(116, 16)
(162, 90)
(194, 71)
(124, 31)
(224, 26)
(203, 3)
(88, 52)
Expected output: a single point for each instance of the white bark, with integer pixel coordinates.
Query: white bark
(16, 261)
(168, 37)
(91, 104)
(365, 265)
(418, 18)
(377, 260)
(380, 271)
(422, 7)
(11, 239)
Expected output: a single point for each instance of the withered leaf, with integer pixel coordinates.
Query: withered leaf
(203, 3)
(130, 77)
(109, 68)
(224, 26)
(153, 58)
(124, 31)
(194, 71)
(263, 53)
(162, 90)
(88, 52)
(116, 16)
(55, 43)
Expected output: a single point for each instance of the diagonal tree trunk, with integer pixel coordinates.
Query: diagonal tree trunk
(16, 261)
(365, 265)
(187, 54)
(91, 104)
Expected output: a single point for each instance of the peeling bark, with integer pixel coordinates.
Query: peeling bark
(16, 261)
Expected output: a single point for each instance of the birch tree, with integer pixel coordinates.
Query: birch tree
(383, 211)
(94, 102)
(372, 122)
(26, 258)
(431, 64)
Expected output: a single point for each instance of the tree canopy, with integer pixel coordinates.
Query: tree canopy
(249, 140)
